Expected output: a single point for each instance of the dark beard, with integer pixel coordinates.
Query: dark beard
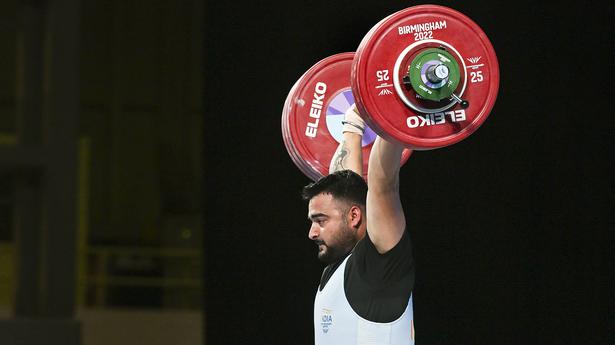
(333, 253)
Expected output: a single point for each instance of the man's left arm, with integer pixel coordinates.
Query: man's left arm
(349, 153)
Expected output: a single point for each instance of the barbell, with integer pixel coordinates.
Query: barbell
(426, 77)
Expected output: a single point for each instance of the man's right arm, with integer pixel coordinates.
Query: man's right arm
(386, 222)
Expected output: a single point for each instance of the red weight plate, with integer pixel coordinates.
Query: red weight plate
(386, 51)
(318, 98)
(313, 112)
(290, 147)
(299, 161)
(292, 151)
(296, 158)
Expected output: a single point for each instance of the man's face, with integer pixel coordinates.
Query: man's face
(329, 229)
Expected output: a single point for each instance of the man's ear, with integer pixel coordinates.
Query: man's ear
(355, 216)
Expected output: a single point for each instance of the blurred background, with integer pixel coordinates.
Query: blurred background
(146, 196)
(100, 187)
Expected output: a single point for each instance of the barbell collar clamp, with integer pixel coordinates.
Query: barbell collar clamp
(464, 103)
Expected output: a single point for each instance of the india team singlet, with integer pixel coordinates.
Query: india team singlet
(336, 323)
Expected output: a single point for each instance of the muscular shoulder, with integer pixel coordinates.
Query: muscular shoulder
(376, 267)
(378, 286)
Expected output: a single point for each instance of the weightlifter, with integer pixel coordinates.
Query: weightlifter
(365, 291)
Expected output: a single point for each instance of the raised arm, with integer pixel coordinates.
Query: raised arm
(386, 222)
(349, 153)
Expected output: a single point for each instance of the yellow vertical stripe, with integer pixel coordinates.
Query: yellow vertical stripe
(83, 205)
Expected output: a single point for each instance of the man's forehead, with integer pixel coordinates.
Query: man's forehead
(321, 202)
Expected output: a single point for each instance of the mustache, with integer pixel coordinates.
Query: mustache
(319, 242)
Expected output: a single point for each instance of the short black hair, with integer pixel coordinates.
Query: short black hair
(343, 185)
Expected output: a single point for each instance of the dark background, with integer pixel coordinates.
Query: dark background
(510, 227)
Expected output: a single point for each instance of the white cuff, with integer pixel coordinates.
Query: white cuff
(353, 122)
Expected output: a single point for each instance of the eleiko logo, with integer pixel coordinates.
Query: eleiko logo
(435, 118)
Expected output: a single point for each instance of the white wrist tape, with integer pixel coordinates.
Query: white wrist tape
(353, 122)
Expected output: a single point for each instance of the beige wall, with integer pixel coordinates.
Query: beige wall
(117, 327)
(132, 327)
